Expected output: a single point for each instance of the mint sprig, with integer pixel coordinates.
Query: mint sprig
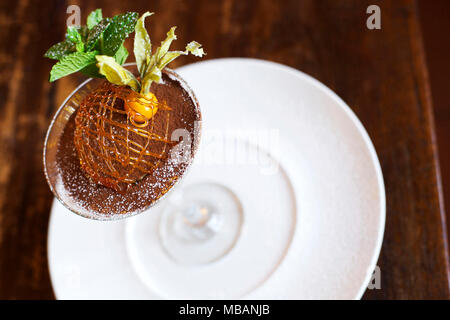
(93, 18)
(103, 36)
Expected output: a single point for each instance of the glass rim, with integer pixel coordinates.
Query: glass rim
(116, 216)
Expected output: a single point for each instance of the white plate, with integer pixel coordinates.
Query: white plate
(330, 166)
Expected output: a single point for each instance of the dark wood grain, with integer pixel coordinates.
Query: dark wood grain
(435, 21)
(381, 74)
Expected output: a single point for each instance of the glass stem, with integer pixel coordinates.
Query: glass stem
(201, 221)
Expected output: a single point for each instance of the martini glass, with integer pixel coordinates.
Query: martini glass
(199, 227)
(222, 231)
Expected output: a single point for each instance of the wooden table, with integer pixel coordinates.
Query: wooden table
(381, 74)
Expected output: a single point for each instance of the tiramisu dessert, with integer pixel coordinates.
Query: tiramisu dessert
(120, 150)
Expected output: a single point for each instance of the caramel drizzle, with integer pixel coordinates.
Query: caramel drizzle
(94, 115)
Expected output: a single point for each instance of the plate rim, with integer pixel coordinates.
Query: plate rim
(349, 112)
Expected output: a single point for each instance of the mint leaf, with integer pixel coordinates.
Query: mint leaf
(119, 28)
(94, 17)
(121, 55)
(73, 35)
(80, 46)
(60, 50)
(96, 32)
(72, 63)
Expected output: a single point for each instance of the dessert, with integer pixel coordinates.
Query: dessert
(120, 149)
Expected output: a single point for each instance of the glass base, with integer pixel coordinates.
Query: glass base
(202, 225)
(218, 235)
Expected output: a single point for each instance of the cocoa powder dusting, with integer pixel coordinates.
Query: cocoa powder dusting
(141, 194)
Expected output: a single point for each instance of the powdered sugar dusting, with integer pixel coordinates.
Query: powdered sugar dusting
(173, 76)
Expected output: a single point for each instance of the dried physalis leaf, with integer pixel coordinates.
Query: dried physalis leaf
(115, 73)
(162, 56)
(142, 44)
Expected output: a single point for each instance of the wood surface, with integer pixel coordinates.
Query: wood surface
(435, 22)
(381, 74)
